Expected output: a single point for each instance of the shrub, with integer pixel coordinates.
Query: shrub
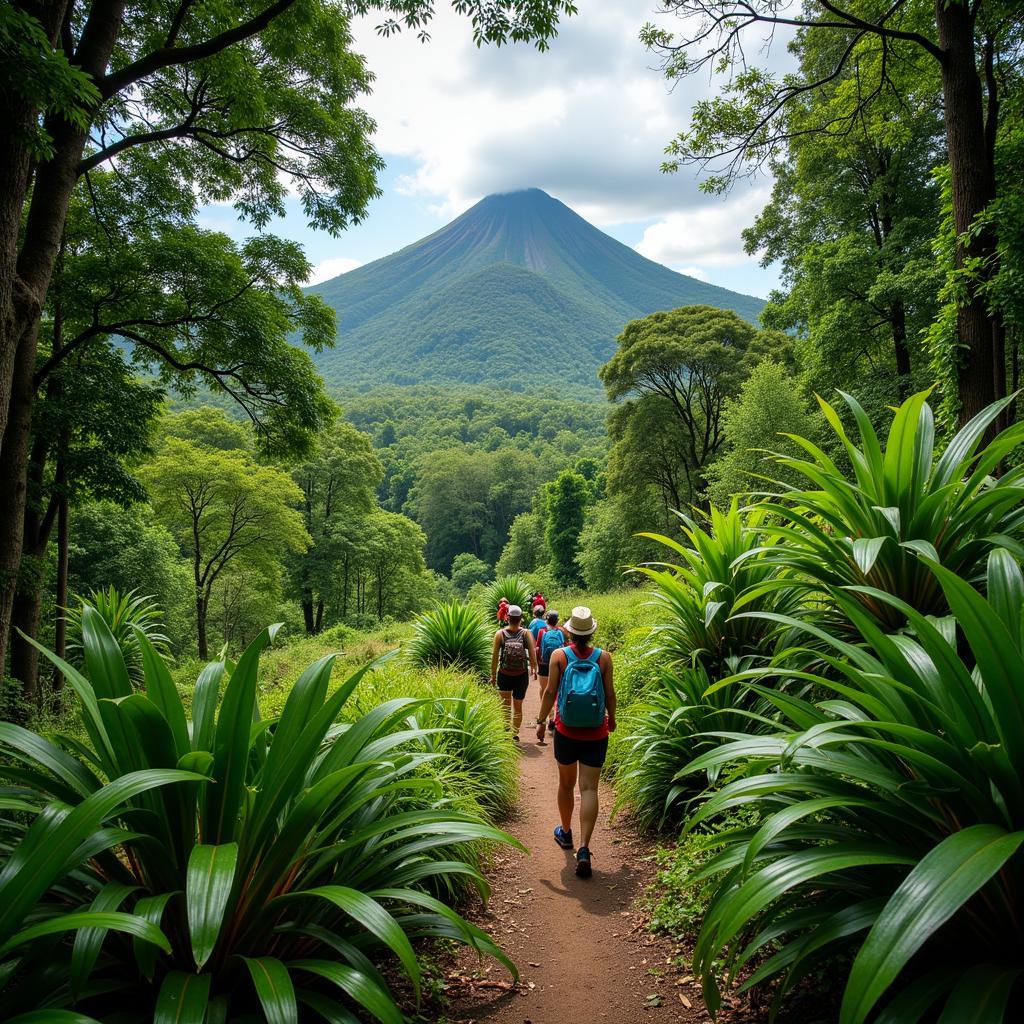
(126, 615)
(229, 863)
(867, 528)
(890, 814)
(452, 635)
(723, 571)
(515, 589)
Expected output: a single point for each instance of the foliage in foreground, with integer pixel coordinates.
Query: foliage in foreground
(891, 815)
(866, 787)
(452, 635)
(699, 638)
(870, 527)
(229, 864)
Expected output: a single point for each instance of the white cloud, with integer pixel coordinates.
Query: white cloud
(698, 272)
(587, 121)
(706, 236)
(326, 269)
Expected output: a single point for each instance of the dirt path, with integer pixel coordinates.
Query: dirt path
(580, 945)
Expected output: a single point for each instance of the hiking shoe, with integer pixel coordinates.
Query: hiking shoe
(583, 862)
(563, 838)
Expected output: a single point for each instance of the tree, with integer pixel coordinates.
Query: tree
(609, 542)
(689, 360)
(232, 102)
(189, 306)
(339, 492)
(527, 548)
(127, 549)
(852, 220)
(226, 511)
(567, 498)
(93, 417)
(975, 46)
(467, 569)
(768, 407)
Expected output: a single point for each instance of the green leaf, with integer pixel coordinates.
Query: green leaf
(89, 940)
(183, 999)
(274, 988)
(375, 919)
(945, 878)
(113, 921)
(210, 875)
(362, 988)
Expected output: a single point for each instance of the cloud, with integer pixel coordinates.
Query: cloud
(586, 121)
(698, 272)
(706, 236)
(326, 269)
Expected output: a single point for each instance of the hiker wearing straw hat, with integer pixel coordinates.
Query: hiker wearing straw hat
(582, 690)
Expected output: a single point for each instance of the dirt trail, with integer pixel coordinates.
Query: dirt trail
(580, 944)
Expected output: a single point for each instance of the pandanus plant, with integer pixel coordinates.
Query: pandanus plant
(210, 868)
(868, 527)
(889, 814)
(513, 588)
(452, 635)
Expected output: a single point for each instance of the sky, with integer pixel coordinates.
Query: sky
(587, 121)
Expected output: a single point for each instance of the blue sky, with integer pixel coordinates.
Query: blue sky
(587, 121)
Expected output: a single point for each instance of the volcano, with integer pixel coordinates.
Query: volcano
(519, 291)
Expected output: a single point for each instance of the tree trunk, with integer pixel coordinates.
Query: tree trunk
(898, 325)
(201, 605)
(973, 187)
(63, 531)
(307, 611)
(28, 603)
(319, 625)
(13, 472)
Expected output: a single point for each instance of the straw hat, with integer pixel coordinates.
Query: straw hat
(581, 622)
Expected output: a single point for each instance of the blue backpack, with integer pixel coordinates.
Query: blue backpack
(552, 639)
(581, 691)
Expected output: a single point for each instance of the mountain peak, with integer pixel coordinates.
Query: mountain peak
(555, 286)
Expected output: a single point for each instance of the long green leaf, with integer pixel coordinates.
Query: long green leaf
(944, 879)
(112, 921)
(183, 999)
(208, 881)
(274, 988)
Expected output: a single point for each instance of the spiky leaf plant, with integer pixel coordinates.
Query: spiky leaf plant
(514, 589)
(722, 570)
(126, 615)
(451, 635)
(867, 528)
(890, 815)
(225, 866)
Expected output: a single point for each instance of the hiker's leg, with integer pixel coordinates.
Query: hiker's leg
(517, 715)
(506, 699)
(589, 778)
(566, 794)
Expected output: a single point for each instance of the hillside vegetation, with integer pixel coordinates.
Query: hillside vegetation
(517, 285)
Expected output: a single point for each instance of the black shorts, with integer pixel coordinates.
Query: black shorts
(542, 670)
(589, 752)
(517, 684)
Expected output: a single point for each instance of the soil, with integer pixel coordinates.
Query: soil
(581, 945)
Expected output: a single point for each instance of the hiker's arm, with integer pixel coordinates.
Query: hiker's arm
(608, 675)
(548, 700)
(495, 647)
(533, 653)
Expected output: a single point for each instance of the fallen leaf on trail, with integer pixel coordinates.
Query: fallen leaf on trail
(686, 1002)
(530, 963)
(654, 999)
(523, 892)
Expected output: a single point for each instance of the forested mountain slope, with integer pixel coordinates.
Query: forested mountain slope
(519, 280)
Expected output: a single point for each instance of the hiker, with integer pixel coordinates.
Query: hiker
(513, 662)
(549, 640)
(503, 612)
(537, 623)
(580, 676)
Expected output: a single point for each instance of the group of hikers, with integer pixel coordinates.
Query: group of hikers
(577, 702)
